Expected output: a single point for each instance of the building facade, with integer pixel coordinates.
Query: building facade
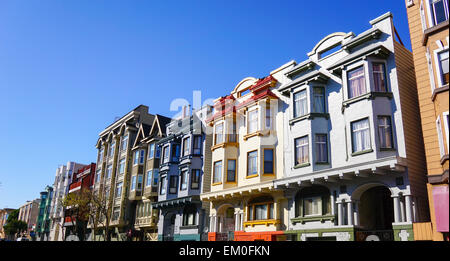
(247, 156)
(353, 167)
(75, 219)
(43, 219)
(184, 174)
(28, 213)
(113, 174)
(144, 179)
(428, 25)
(63, 178)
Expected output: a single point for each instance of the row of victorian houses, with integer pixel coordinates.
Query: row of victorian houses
(350, 144)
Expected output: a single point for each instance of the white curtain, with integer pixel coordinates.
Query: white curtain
(357, 84)
(384, 132)
(361, 135)
(301, 104)
(319, 99)
(321, 148)
(379, 79)
(302, 150)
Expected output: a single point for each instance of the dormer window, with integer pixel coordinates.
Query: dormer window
(356, 82)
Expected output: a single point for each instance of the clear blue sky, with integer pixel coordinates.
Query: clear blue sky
(68, 68)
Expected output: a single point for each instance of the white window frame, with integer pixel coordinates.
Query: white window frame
(445, 114)
(294, 102)
(369, 136)
(386, 75)
(216, 134)
(256, 111)
(440, 136)
(151, 150)
(436, 53)
(431, 21)
(149, 178)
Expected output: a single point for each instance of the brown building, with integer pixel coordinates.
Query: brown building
(428, 26)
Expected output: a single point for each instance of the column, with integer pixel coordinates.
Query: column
(242, 222)
(236, 221)
(333, 211)
(212, 225)
(356, 213)
(402, 209)
(349, 213)
(408, 208)
(396, 209)
(339, 205)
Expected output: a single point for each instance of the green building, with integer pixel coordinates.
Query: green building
(43, 219)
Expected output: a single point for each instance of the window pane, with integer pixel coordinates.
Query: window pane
(300, 104)
(151, 150)
(148, 181)
(217, 172)
(384, 131)
(356, 82)
(443, 60)
(195, 179)
(252, 121)
(197, 145)
(252, 168)
(260, 212)
(301, 150)
(268, 161)
(184, 176)
(379, 78)
(219, 134)
(321, 148)
(319, 100)
(361, 135)
(133, 183)
(155, 177)
(440, 11)
(231, 170)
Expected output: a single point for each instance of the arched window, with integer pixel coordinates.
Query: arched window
(313, 201)
(189, 216)
(260, 208)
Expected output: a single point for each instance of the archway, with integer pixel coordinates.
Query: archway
(226, 219)
(169, 226)
(376, 210)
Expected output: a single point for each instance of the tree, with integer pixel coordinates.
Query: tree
(13, 225)
(86, 206)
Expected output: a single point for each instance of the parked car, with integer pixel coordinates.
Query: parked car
(22, 239)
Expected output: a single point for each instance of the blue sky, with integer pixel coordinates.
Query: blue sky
(68, 68)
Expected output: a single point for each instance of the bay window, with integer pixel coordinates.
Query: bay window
(252, 121)
(261, 208)
(183, 179)
(195, 179)
(439, 11)
(151, 150)
(166, 154)
(443, 67)
(173, 184)
(133, 183)
(313, 201)
(252, 163)
(231, 170)
(148, 181)
(197, 145)
(155, 177)
(219, 134)
(356, 82)
(217, 175)
(379, 77)
(385, 132)
(162, 185)
(139, 157)
(186, 146)
(268, 161)
(301, 150)
(360, 135)
(300, 103)
(319, 99)
(175, 152)
(321, 148)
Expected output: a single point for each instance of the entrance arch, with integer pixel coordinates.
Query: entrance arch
(226, 218)
(376, 209)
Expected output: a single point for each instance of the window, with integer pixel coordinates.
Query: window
(108, 171)
(119, 189)
(151, 151)
(124, 143)
(189, 215)
(100, 155)
(133, 183)
(195, 179)
(197, 145)
(301, 150)
(184, 180)
(443, 67)
(219, 134)
(268, 116)
(175, 152)
(233, 136)
(148, 181)
(439, 11)
(162, 186)
(360, 135)
(312, 201)
(321, 148)
(141, 156)
(166, 154)
(122, 166)
(252, 163)
(155, 177)
(98, 175)
(231, 171)
(186, 146)
(136, 157)
(268, 161)
(385, 131)
(217, 177)
(111, 149)
(356, 82)
(139, 182)
(173, 184)
(300, 104)
(252, 121)
(379, 77)
(319, 99)
(446, 126)
(158, 152)
(261, 208)
(116, 213)
(440, 136)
